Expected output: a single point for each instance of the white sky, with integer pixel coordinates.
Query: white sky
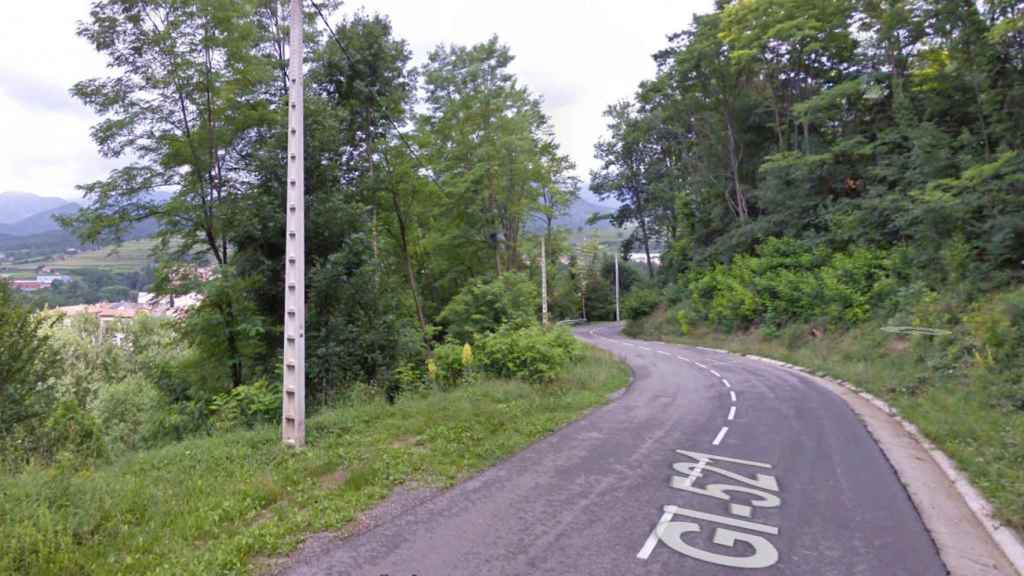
(580, 55)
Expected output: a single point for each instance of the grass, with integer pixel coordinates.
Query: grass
(955, 410)
(214, 505)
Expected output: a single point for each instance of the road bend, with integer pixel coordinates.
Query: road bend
(708, 464)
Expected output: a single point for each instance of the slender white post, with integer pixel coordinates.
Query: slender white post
(616, 286)
(293, 422)
(543, 282)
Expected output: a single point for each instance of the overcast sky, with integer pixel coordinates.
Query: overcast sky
(580, 55)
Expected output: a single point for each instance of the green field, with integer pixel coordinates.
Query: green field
(128, 257)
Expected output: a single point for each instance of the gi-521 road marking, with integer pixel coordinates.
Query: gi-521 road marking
(763, 489)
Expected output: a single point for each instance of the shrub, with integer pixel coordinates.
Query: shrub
(247, 405)
(447, 368)
(130, 412)
(482, 307)
(640, 302)
(26, 361)
(534, 354)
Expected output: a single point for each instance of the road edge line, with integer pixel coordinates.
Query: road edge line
(1005, 537)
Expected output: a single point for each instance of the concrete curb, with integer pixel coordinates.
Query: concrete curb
(1005, 537)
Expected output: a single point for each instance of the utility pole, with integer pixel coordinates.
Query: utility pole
(293, 422)
(616, 286)
(543, 282)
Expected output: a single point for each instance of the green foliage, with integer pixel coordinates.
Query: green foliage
(130, 413)
(446, 367)
(483, 306)
(219, 504)
(789, 282)
(28, 362)
(534, 354)
(640, 302)
(247, 405)
(996, 336)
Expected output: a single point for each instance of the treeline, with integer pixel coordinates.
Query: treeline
(832, 164)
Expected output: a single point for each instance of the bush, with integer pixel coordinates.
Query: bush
(482, 307)
(640, 302)
(130, 412)
(247, 405)
(788, 281)
(534, 354)
(449, 366)
(27, 360)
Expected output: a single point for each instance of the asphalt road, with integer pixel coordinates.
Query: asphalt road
(708, 464)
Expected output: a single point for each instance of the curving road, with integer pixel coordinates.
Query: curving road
(709, 464)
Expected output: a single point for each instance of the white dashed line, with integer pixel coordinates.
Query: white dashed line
(721, 434)
(732, 412)
(652, 540)
(732, 395)
(644, 348)
(663, 352)
(726, 382)
(715, 373)
(699, 365)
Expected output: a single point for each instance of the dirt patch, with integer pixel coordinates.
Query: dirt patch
(334, 479)
(898, 345)
(405, 442)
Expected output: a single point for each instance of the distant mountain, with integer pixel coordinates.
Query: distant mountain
(576, 217)
(40, 222)
(15, 206)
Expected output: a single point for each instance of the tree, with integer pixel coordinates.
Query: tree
(625, 159)
(491, 150)
(196, 87)
(28, 362)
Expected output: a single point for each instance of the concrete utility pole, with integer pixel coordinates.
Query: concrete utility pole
(616, 287)
(293, 422)
(543, 282)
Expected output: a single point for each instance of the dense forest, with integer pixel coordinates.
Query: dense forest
(828, 161)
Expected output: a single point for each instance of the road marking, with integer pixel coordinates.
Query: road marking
(663, 352)
(732, 412)
(732, 395)
(652, 540)
(715, 373)
(753, 526)
(721, 435)
(699, 365)
(720, 351)
(726, 382)
(644, 348)
(741, 510)
(696, 472)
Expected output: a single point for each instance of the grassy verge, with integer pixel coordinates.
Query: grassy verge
(953, 409)
(213, 505)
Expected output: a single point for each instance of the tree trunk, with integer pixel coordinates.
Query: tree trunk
(409, 271)
(647, 246)
(734, 166)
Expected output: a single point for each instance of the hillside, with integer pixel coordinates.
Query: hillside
(15, 206)
(39, 222)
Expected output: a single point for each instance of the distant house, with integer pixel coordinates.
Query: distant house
(641, 258)
(51, 278)
(28, 285)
